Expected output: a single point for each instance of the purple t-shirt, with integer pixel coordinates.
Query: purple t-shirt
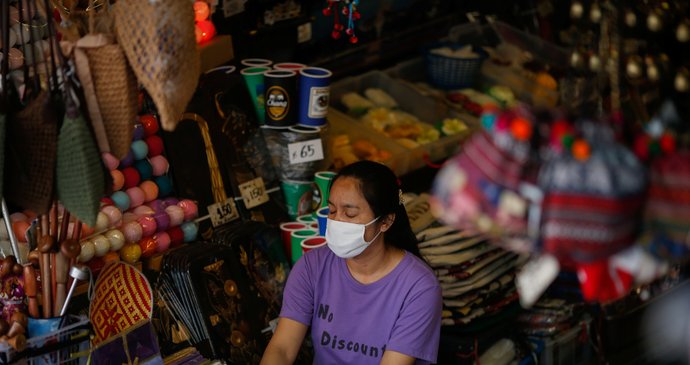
(353, 323)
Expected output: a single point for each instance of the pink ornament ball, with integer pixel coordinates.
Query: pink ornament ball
(129, 217)
(118, 179)
(159, 165)
(162, 241)
(176, 215)
(136, 196)
(111, 162)
(114, 214)
(189, 208)
(132, 231)
(148, 225)
(150, 190)
(143, 210)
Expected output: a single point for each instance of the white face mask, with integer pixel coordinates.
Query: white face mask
(345, 239)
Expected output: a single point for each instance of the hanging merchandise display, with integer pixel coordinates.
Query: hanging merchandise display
(158, 40)
(348, 9)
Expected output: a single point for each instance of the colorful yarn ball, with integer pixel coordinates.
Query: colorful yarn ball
(150, 190)
(162, 220)
(121, 200)
(118, 179)
(157, 205)
(148, 247)
(130, 253)
(170, 201)
(88, 251)
(176, 236)
(190, 231)
(114, 214)
(143, 210)
(521, 129)
(132, 177)
(139, 150)
(176, 215)
(126, 161)
(116, 238)
(101, 245)
(150, 124)
(138, 132)
(581, 150)
(136, 196)
(111, 162)
(102, 222)
(189, 208)
(132, 231)
(162, 241)
(144, 168)
(129, 217)
(159, 164)
(164, 185)
(155, 145)
(148, 225)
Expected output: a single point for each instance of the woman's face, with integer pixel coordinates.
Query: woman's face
(346, 203)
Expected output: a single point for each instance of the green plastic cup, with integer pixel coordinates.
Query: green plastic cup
(298, 197)
(297, 238)
(254, 79)
(322, 179)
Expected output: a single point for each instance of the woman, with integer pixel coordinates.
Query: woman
(367, 296)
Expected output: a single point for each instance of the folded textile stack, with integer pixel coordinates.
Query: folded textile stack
(476, 277)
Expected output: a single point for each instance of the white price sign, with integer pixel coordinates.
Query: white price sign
(307, 151)
(223, 212)
(253, 193)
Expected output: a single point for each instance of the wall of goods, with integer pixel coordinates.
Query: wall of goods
(156, 191)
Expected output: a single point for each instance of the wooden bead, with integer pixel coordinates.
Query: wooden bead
(46, 244)
(30, 284)
(17, 269)
(70, 248)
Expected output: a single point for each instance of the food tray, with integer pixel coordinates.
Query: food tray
(410, 100)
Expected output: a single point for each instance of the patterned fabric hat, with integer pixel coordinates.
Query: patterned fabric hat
(121, 300)
(593, 198)
(667, 214)
(478, 189)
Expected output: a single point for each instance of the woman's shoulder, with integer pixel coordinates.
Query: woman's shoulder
(419, 272)
(318, 257)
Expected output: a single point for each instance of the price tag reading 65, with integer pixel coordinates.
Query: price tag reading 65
(253, 193)
(306, 151)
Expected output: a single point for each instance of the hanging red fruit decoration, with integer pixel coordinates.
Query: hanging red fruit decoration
(348, 8)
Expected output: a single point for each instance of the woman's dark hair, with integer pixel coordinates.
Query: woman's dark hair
(380, 188)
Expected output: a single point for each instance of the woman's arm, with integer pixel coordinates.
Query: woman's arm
(285, 343)
(396, 358)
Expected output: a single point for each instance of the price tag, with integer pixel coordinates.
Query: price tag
(253, 193)
(306, 151)
(223, 212)
(535, 277)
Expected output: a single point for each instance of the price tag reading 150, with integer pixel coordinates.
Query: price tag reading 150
(223, 212)
(253, 193)
(306, 151)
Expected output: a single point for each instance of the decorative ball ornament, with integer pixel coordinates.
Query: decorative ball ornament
(576, 10)
(88, 251)
(681, 81)
(595, 13)
(130, 253)
(630, 18)
(633, 68)
(116, 238)
(652, 70)
(132, 231)
(683, 31)
(208, 30)
(102, 222)
(594, 63)
(101, 244)
(201, 10)
(654, 22)
(576, 59)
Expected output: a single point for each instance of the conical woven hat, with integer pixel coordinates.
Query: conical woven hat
(158, 39)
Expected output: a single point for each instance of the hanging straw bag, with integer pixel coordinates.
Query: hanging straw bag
(31, 138)
(158, 39)
(4, 84)
(110, 88)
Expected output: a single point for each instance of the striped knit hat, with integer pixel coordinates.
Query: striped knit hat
(593, 198)
(477, 189)
(667, 214)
